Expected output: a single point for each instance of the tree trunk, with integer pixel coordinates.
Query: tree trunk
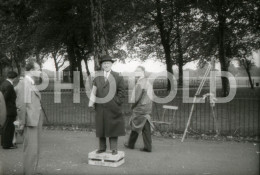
(87, 69)
(39, 59)
(72, 60)
(1, 71)
(167, 52)
(56, 65)
(54, 56)
(164, 40)
(88, 74)
(180, 55)
(250, 79)
(80, 73)
(79, 60)
(222, 56)
(98, 31)
(17, 64)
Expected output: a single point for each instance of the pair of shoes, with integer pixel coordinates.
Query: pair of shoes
(100, 151)
(114, 152)
(145, 150)
(10, 147)
(127, 146)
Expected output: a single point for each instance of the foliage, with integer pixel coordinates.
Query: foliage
(173, 31)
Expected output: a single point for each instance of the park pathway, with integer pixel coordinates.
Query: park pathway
(65, 152)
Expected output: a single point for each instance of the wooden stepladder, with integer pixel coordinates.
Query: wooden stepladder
(106, 159)
(211, 95)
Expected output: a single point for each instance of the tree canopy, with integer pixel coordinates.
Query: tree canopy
(173, 31)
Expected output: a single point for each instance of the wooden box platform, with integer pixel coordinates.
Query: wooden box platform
(106, 159)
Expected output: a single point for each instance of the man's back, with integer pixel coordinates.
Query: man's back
(19, 89)
(2, 109)
(10, 97)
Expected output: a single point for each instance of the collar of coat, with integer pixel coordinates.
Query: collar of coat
(105, 83)
(10, 81)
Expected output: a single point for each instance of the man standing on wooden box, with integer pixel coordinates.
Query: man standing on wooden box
(142, 109)
(31, 117)
(109, 118)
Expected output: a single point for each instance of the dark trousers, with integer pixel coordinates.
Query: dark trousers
(112, 141)
(147, 138)
(8, 132)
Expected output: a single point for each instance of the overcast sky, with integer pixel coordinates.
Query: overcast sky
(130, 65)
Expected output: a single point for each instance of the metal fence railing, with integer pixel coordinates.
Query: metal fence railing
(237, 117)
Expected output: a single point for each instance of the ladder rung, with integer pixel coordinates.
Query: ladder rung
(161, 122)
(170, 107)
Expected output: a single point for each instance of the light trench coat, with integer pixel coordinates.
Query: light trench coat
(28, 103)
(142, 105)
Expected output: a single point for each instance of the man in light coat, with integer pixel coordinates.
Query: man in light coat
(142, 108)
(30, 115)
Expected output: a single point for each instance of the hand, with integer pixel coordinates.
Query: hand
(133, 106)
(92, 108)
(21, 127)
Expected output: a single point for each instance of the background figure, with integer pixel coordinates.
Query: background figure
(109, 118)
(2, 111)
(142, 108)
(30, 115)
(18, 134)
(7, 89)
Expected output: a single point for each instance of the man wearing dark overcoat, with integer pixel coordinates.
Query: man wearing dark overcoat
(7, 89)
(109, 118)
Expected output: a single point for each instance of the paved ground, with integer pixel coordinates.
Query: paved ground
(65, 152)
